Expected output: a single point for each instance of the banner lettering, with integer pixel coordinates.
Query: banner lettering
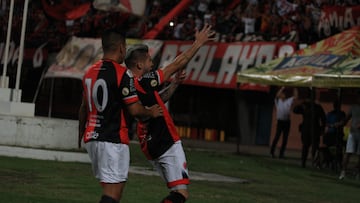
(216, 64)
(338, 18)
(37, 56)
(316, 61)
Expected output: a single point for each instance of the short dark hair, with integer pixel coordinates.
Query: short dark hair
(134, 53)
(111, 39)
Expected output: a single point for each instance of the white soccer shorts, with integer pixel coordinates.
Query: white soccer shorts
(110, 161)
(172, 167)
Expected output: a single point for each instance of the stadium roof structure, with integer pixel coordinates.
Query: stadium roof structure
(330, 63)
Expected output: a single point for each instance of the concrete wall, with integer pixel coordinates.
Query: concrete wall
(38, 132)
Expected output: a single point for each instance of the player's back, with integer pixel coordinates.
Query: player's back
(106, 86)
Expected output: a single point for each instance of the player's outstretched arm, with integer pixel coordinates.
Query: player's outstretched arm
(201, 37)
(169, 90)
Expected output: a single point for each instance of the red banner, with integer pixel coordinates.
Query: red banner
(217, 64)
(338, 18)
(214, 65)
(66, 10)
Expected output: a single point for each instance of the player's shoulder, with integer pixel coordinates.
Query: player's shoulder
(93, 68)
(151, 74)
(119, 68)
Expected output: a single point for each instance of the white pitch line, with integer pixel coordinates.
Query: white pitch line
(64, 156)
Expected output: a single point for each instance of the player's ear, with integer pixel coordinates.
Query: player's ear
(139, 66)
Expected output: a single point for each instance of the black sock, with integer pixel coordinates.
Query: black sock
(174, 197)
(107, 199)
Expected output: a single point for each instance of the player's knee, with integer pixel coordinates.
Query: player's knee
(107, 199)
(184, 193)
(174, 197)
(182, 189)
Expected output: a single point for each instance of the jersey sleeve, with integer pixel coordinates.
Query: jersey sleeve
(127, 89)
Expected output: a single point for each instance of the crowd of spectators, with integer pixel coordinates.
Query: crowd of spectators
(253, 20)
(244, 20)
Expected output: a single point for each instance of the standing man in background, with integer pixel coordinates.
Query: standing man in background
(283, 107)
(109, 95)
(335, 132)
(312, 127)
(160, 142)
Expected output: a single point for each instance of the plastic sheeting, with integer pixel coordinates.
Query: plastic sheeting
(330, 63)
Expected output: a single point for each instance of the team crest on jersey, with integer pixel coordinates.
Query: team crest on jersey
(125, 91)
(153, 83)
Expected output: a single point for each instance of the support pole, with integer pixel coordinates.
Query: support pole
(17, 96)
(238, 137)
(152, 34)
(6, 56)
(51, 97)
(39, 85)
(339, 148)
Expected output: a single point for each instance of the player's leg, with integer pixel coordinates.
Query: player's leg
(286, 130)
(350, 149)
(110, 164)
(344, 165)
(305, 148)
(112, 192)
(339, 151)
(172, 167)
(178, 193)
(358, 155)
(174, 197)
(279, 129)
(315, 149)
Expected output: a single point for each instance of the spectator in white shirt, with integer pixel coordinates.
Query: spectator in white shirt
(283, 107)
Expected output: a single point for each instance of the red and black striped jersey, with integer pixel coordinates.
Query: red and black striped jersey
(108, 88)
(160, 133)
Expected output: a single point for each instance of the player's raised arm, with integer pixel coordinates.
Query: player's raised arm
(201, 37)
(169, 90)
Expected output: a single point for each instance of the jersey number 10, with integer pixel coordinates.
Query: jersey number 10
(92, 95)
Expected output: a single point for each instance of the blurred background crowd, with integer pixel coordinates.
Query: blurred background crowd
(242, 20)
